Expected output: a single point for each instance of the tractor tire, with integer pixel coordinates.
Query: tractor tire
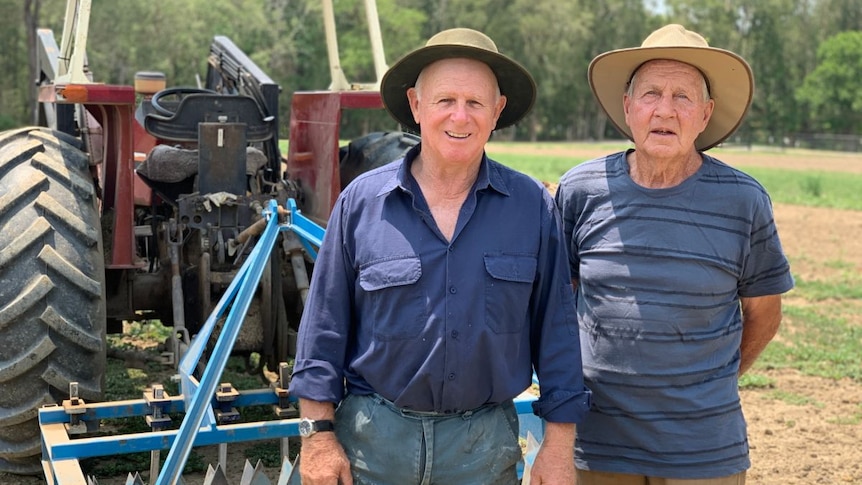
(372, 151)
(52, 300)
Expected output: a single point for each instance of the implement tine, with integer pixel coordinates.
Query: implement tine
(254, 476)
(92, 481)
(247, 472)
(215, 476)
(289, 472)
(134, 479)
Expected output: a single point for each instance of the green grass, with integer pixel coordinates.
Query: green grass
(846, 286)
(755, 381)
(795, 398)
(810, 188)
(546, 168)
(818, 337)
(817, 341)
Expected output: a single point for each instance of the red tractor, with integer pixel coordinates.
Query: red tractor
(141, 202)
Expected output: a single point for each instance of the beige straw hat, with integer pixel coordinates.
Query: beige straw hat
(729, 77)
(515, 82)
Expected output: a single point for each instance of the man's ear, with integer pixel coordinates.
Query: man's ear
(413, 100)
(498, 109)
(707, 112)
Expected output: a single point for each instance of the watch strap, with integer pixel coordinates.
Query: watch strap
(323, 425)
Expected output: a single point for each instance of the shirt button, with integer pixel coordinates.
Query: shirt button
(452, 376)
(454, 334)
(452, 290)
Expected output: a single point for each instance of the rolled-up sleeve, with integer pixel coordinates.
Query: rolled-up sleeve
(555, 338)
(318, 372)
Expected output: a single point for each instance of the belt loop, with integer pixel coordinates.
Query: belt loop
(378, 399)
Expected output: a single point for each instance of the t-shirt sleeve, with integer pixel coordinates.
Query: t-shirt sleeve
(766, 270)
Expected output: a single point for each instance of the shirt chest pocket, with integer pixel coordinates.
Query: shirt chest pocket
(508, 287)
(396, 307)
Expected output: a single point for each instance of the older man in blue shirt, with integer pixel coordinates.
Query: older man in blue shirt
(441, 284)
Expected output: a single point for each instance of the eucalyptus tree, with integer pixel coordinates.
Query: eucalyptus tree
(774, 34)
(614, 24)
(833, 90)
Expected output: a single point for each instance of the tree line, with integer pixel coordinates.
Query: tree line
(806, 54)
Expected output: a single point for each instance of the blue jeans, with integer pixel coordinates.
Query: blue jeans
(388, 445)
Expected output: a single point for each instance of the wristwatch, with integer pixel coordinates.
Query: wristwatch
(308, 427)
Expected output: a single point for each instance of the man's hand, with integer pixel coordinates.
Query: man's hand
(555, 461)
(323, 461)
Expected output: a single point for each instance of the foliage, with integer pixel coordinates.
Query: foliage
(267, 451)
(124, 382)
(832, 89)
(131, 463)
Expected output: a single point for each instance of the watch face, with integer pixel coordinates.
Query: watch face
(306, 427)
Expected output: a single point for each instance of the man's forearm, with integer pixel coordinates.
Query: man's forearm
(316, 410)
(761, 317)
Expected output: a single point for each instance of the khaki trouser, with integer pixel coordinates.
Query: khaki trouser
(604, 478)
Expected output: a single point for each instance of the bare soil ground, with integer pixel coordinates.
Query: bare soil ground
(815, 439)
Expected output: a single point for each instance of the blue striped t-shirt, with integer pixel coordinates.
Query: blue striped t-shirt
(661, 272)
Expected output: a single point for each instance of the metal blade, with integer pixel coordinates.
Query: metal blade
(254, 476)
(215, 476)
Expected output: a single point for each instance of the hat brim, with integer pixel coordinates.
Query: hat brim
(514, 81)
(730, 79)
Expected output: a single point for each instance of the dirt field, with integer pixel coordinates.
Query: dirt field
(820, 440)
(811, 443)
(816, 442)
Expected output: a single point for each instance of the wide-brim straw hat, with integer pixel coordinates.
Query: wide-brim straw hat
(515, 82)
(728, 76)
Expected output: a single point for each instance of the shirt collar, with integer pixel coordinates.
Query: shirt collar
(490, 175)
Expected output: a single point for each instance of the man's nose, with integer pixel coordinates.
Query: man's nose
(665, 106)
(459, 111)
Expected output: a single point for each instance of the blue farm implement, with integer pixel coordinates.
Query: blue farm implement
(173, 204)
(210, 408)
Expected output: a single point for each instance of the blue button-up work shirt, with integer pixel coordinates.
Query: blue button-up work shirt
(435, 325)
